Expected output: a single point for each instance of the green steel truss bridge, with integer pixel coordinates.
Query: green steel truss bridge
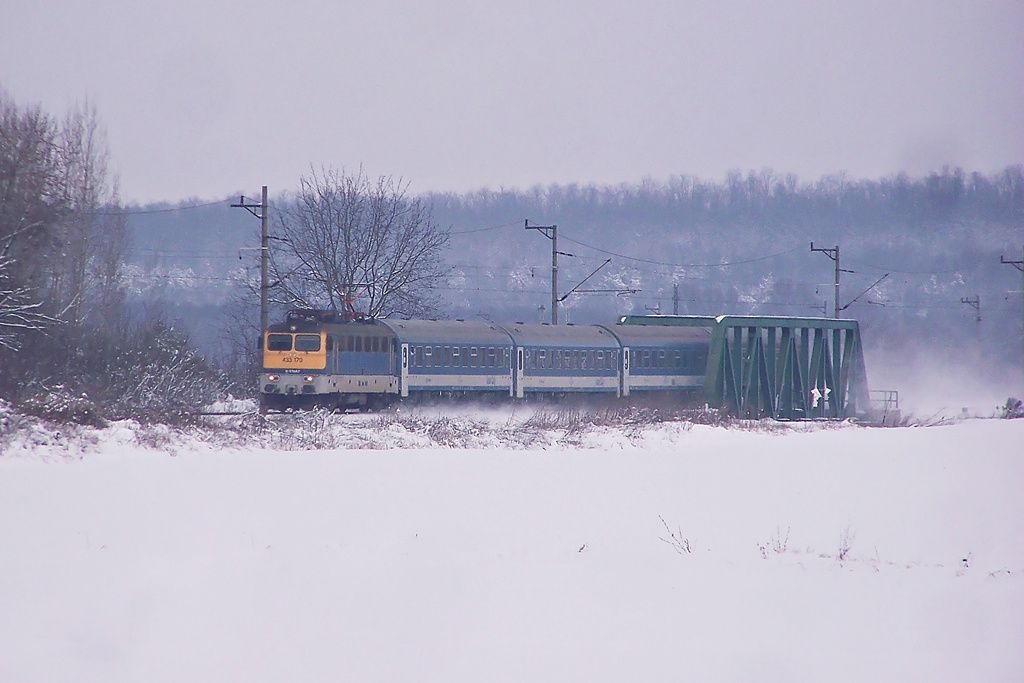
(780, 367)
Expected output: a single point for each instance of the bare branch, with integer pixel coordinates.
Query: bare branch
(345, 232)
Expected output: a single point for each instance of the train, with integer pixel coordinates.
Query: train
(342, 360)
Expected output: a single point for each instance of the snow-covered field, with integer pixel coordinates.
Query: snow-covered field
(656, 553)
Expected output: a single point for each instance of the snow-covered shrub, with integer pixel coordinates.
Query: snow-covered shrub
(157, 376)
(58, 404)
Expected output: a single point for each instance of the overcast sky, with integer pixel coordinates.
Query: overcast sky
(204, 99)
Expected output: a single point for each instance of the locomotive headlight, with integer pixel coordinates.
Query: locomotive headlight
(307, 378)
(272, 378)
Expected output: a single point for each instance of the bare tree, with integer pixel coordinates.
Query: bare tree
(345, 232)
(91, 240)
(19, 313)
(63, 239)
(30, 196)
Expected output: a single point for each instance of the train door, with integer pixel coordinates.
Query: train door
(405, 371)
(519, 372)
(510, 365)
(624, 385)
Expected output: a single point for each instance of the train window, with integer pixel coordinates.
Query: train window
(330, 342)
(473, 356)
(307, 342)
(490, 357)
(465, 356)
(447, 356)
(542, 359)
(417, 357)
(359, 344)
(427, 357)
(350, 343)
(279, 342)
(684, 359)
(661, 358)
(455, 356)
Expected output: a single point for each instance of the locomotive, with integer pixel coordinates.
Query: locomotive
(344, 360)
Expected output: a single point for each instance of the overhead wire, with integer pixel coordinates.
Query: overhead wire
(142, 212)
(681, 265)
(493, 227)
(863, 264)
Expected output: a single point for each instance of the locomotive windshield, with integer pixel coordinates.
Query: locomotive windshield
(307, 342)
(279, 342)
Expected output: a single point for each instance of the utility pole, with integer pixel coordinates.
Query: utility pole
(675, 299)
(1019, 265)
(974, 303)
(264, 254)
(551, 232)
(834, 255)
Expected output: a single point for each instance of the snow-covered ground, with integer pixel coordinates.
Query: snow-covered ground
(658, 552)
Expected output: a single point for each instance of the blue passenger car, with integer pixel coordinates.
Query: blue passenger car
(564, 359)
(661, 358)
(452, 356)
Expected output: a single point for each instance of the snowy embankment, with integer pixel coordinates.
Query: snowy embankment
(658, 552)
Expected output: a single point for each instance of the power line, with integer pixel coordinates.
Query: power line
(681, 265)
(184, 278)
(904, 272)
(182, 255)
(131, 212)
(493, 227)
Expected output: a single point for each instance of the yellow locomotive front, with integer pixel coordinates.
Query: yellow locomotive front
(294, 351)
(294, 366)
